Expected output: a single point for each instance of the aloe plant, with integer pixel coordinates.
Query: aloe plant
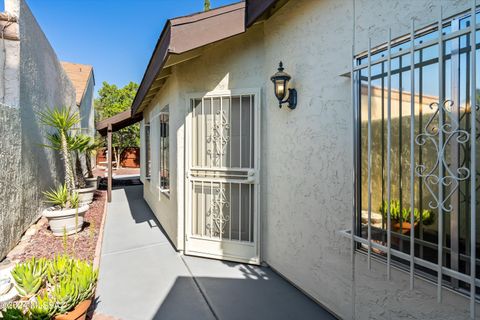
(86, 277)
(60, 268)
(65, 294)
(44, 308)
(29, 276)
(13, 313)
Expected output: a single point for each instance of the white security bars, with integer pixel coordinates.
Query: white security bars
(415, 149)
(164, 119)
(223, 156)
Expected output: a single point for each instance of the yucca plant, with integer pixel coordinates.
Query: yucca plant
(65, 295)
(90, 151)
(12, 313)
(29, 276)
(60, 197)
(44, 308)
(60, 268)
(63, 120)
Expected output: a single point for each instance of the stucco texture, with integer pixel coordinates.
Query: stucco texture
(28, 169)
(307, 154)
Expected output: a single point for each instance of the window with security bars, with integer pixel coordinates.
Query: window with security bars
(148, 160)
(416, 152)
(164, 150)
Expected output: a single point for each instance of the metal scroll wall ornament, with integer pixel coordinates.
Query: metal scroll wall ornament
(216, 217)
(219, 138)
(450, 131)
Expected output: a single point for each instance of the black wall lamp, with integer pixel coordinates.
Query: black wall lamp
(280, 82)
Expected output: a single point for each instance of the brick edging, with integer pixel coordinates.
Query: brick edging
(98, 248)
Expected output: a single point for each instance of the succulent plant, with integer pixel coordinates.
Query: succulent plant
(29, 276)
(65, 295)
(12, 313)
(404, 213)
(86, 278)
(59, 268)
(43, 309)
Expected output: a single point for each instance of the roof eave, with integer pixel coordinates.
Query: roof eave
(179, 36)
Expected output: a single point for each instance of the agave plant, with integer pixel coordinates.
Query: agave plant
(60, 197)
(63, 120)
(65, 295)
(29, 276)
(12, 313)
(44, 308)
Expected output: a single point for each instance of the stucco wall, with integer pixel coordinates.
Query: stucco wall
(87, 110)
(307, 195)
(306, 173)
(236, 63)
(40, 82)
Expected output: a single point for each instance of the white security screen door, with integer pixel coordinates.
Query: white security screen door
(222, 177)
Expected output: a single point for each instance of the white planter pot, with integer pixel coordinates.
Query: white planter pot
(85, 195)
(92, 182)
(61, 221)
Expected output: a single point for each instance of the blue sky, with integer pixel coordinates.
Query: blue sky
(117, 37)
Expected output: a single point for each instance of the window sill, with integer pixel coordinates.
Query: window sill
(360, 248)
(165, 192)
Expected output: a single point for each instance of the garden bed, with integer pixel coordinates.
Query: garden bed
(41, 243)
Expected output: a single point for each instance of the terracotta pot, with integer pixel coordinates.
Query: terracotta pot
(79, 313)
(405, 227)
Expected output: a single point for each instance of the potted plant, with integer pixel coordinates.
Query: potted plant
(63, 139)
(61, 289)
(398, 214)
(90, 152)
(79, 145)
(66, 216)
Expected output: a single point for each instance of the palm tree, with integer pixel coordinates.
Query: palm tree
(63, 120)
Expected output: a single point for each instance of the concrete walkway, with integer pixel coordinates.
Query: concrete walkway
(142, 276)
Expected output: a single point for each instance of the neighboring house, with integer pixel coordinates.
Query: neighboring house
(31, 79)
(83, 80)
(232, 176)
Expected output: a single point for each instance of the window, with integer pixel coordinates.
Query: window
(148, 160)
(439, 143)
(164, 150)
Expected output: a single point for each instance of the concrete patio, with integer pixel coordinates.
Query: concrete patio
(143, 277)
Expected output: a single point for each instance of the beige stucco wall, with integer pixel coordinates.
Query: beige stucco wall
(306, 172)
(308, 189)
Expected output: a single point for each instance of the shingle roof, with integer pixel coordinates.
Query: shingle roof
(79, 75)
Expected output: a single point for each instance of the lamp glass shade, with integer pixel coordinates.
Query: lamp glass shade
(280, 85)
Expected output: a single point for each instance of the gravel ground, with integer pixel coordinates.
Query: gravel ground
(82, 245)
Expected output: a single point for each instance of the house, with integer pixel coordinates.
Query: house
(83, 80)
(31, 79)
(321, 189)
